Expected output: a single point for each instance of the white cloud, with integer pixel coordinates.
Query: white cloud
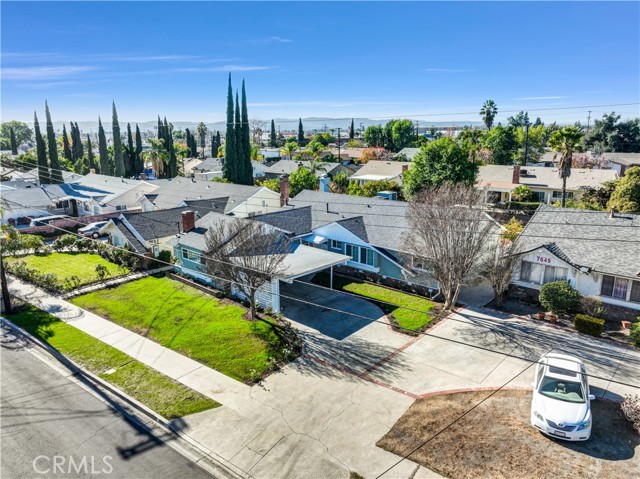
(43, 73)
(276, 39)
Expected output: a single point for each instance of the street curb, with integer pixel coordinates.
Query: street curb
(220, 463)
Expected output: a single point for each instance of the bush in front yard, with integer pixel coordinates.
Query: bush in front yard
(592, 306)
(635, 333)
(559, 297)
(631, 411)
(588, 325)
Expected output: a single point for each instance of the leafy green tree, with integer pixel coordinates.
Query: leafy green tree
(352, 130)
(340, 182)
(117, 144)
(238, 143)
(54, 163)
(90, 156)
(440, 161)
(129, 154)
(324, 138)
(626, 196)
(565, 142)
(201, 130)
(522, 119)
(301, 140)
(522, 194)
(172, 170)
(218, 144)
(245, 139)
(273, 184)
(513, 228)
(65, 141)
(273, 139)
(488, 113)
(314, 151)
(610, 134)
(471, 141)
(502, 143)
(103, 152)
(13, 142)
(41, 149)
(138, 151)
(21, 131)
(289, 149)
(399, 134)
(229, 167)
(597, 198)
(157, 156)
(531, 143)
(302, 179)
(374, 136)
(372, 188)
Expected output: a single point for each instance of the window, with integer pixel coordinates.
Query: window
(360, 255)
(635, 292)
(96, 210)
(336, 245)
(557, 195)
(538, 196)
(121, 207)
(190, 255)
(614, 287)
(554, 273)
(531, 272)
(62, 204)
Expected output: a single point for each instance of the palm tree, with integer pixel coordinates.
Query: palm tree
(488, 113)
(157, 156)
(289, 149)
(564, 142)
(201, 130)
(313, 151)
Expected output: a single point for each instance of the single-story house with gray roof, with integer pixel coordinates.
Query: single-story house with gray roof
(286, 167)
(597, 252)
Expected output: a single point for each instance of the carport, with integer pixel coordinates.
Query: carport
(302, 261)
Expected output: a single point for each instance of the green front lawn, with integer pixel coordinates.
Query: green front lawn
(201, 326)
(412, 319)
(167, 397)
(66, 265)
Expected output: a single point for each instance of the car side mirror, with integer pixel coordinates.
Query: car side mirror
(591, 397)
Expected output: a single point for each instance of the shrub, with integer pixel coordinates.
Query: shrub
(635, 333)
(559, 297)
(101, 272)
(165, 256)
(630, 409)
(592, 306)
(588, 325)
(513, 228)
(65, 241)
(522, 193)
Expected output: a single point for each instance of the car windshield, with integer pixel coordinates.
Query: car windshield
(561, 389)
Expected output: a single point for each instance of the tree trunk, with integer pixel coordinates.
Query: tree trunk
(564, 190)
(5, 287)
(500, 296)
(252, 300)
(455, 297)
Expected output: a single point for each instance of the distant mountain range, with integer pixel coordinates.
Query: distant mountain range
(310, 124)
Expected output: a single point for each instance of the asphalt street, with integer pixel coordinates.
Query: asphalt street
(53, 427)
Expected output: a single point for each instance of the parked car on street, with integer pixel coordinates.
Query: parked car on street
(93, 230)
(561, 403)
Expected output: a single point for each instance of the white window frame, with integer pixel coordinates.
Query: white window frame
(370, 255)
(335, 244)
(190, 255)
(617, 279)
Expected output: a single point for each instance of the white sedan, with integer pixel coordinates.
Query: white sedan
(561, 403)
(94, 230)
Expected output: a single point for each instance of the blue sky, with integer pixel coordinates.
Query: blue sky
(318, 59)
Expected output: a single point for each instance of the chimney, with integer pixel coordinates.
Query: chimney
(188, 221)
(515, 179)
(325, 182)
(405, 168)
(92, 171)
(284, 190)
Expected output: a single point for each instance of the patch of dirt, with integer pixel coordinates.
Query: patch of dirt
(496, 440)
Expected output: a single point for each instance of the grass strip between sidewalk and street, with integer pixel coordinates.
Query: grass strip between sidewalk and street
(160, 393)
(413, 318)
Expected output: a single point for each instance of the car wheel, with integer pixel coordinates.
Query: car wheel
(95, 236)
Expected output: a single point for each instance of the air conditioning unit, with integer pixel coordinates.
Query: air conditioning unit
(388, 195)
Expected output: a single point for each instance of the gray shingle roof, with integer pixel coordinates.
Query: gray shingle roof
(196, 237)
(157, 224)
(27, 197)
(296, 221)
(587, 238)
(133, 241)
(289, 166)
(217, 205)
(543, 177)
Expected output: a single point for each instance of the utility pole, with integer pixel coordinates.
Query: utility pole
(361, 129)
(325, 128)
(417, 130)
(588, 121)
(526, 140)
(6, 299)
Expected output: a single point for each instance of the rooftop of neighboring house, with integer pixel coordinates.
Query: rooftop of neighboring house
(210, 164)
(381, 170)
(67, 176)
(626, 159)
(377, 221)
(18, 198)
(408, 152)
(196, 237)
(502, 176)
(355, 153)
(584, 238)
(175, 191)
(289, 166)
(190, 164)
(112, 185)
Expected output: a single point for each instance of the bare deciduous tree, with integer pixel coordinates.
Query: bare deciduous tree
(245, 253)
(256, 126)
(500, 268)
(450, 235)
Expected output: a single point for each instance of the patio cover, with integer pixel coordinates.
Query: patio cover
(303, 260)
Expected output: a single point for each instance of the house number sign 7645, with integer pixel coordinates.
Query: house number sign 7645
(542, 259)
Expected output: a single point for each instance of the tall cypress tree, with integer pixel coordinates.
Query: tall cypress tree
(213, 145)
(229, 170)
(139, 159)
(129, 163)
(90, 156)
(118, 160)
(273, 140)
(189, 142)
(66, 149)
(54, 163)
(300, 133)
(352, 132)
(168, 142)
(14, 143)
(103, 151)
(247, 168)
(77, 142)
(218, 142)
(41, 150)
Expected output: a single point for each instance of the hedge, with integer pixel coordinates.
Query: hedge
(588, 325)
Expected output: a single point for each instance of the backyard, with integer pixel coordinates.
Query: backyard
(201, 326)
(495, 440)
(68, 265)
(155, 390)
(412, 312)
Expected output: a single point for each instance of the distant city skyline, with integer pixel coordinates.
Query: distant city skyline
(433, 62)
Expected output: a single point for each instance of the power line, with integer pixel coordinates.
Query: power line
(325, 307)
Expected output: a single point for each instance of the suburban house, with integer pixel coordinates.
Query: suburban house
(189, 164)
(18, 203)
(208, 169)
(499, 181)
(597, 252)
(190, 249)
(408, 153)
(149, 232)
(286, 167)
(381, 170)
(621, 162)
(240, 200)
